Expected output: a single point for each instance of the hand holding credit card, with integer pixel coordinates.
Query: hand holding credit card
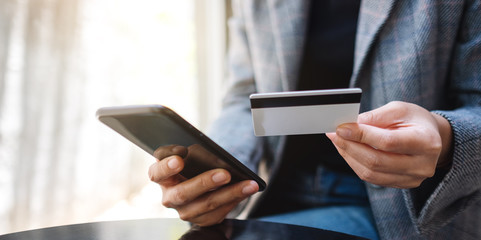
(304, 112)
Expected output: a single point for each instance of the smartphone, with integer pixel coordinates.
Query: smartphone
(151, 127)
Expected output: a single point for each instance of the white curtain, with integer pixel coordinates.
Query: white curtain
(60, 61)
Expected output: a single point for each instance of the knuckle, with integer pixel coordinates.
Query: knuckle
(341, 144)
(436, 145)
(368, 176)
(399, 107)
(412, 184)
(429, 172)
(162, 152)
(162, 168)
(151, 174)
(205, 182)
(176, 196)
(432, 140)
(158, 153)
(396, 105)
(166, 202)
(372, 162)
(210, 222)
(367, 116)
(218, 221)
(211, 203)
(388, 142)
(432, 171)
(184, 215)
(155, 173)
(167, 151)
(238, 196)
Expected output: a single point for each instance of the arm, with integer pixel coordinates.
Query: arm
(456, 184)
(460, 187)
(233, 128)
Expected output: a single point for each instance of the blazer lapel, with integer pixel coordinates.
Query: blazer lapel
(372, 18)
(289, 23)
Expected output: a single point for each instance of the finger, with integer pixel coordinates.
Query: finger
(197, 151)
(331, 136)
(381, 178)
(385, 116)
(213, 217)
(191, 189)
(167, 151)
(375, 160)
(218, 203)
(213, 200)
(409, 140)
(162, 172)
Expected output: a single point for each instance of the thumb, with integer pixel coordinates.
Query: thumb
(388, 115)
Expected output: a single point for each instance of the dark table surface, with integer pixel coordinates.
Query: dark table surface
(177, 229)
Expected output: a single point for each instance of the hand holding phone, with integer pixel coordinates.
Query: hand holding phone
(154, 126)
(204, 199)
(198, 178)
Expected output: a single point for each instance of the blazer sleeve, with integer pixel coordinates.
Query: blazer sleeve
(233, 128)
(438, 200)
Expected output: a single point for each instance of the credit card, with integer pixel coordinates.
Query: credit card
(304, 112)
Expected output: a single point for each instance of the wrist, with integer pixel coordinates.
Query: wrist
(445, 131)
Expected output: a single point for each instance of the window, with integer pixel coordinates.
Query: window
(62, 60)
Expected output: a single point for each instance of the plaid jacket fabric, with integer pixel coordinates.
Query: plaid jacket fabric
(426, 52)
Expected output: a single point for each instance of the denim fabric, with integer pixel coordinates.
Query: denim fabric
(354, 220)
(329, 200)
(321, 186)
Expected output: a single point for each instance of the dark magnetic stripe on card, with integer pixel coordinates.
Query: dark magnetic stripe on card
(305, 100)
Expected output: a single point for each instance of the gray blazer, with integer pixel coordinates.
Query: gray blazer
(426, 52)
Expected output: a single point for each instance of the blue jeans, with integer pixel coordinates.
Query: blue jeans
(354, 220)
(331, 200)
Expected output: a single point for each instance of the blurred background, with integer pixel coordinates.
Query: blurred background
(62, 60)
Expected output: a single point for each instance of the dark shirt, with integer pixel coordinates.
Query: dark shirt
(327, 63)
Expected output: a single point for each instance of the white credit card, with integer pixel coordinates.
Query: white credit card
(304, 112)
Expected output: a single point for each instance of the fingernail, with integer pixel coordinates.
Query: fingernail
(173, 163)
(344, 132)
(219, 177)
(250, 189)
